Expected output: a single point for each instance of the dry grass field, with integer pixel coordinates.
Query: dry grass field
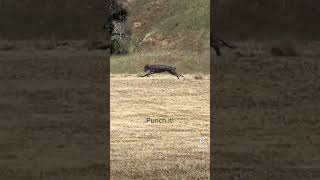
(266, 112)
(52, 114)
(145, 150)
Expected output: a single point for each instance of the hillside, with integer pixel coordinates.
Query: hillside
(183, 24)
(171, 32)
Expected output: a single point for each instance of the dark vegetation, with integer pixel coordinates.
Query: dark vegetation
(116, 25)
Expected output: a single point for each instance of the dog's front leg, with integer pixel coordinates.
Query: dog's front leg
(148, 74)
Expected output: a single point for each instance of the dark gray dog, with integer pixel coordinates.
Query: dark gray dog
(152, 69)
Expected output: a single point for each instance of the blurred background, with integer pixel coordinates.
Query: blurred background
(61, 19)
(266, 20)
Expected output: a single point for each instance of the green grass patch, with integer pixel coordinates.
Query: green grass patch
(184, 61)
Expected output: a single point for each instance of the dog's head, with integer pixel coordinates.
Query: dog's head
(146, 67)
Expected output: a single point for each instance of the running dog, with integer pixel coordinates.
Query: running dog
(217, 43)
(153, 69)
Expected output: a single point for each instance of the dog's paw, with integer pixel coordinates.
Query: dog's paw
(140, 75)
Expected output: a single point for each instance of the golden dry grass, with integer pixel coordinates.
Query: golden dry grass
(141, 150)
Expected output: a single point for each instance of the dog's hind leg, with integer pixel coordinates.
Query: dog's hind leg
(177, 74)
(174, 73)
